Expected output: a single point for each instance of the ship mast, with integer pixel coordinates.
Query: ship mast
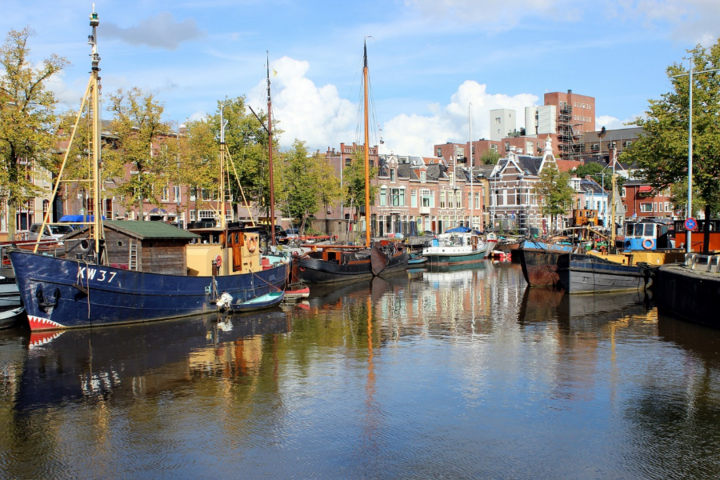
(270, 156)
(367, 149)
(96, 134)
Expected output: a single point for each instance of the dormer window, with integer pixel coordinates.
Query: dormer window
(392, 174)
(423, 177)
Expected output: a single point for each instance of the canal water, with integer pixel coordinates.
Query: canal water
(455, 374)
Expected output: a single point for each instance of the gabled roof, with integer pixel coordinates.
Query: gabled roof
(567, 165)
(143, 230)
(587, 184)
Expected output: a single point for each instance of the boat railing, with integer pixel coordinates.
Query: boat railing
(705, 263)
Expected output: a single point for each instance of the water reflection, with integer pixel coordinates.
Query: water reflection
(461, 373)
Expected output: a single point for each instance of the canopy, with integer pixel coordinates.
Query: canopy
(158, 211)
(460, 229)
(645, 189)
(78, 218)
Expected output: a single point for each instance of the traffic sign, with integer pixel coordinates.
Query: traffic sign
(690, 224)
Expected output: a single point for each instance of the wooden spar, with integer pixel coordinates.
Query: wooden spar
(270, 155)
(97, 223)
(367, 150)
(46, 218)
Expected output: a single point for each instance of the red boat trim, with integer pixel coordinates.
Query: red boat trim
(38, 323)
(37, 339)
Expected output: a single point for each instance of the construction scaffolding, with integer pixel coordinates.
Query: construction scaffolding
(569, 140)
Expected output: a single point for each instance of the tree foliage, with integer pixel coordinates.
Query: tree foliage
(554, 190)
(662, 149)
(27, 120)
(354, 181)
(307, 183)
(490, 157)
(145, 144)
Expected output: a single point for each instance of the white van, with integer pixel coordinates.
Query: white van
(52, 232)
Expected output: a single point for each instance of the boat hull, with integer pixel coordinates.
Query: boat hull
(59, 293)
(586, 274)
(318, 271)
(539, 262)
(443, 259)
(260, 303)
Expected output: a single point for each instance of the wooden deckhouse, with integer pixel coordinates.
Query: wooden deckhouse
(151, 247)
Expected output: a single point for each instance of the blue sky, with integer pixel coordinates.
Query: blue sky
(429, 59)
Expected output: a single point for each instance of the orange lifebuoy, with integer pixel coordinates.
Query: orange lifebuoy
(218, 261)
(647, 244)
(252, 244)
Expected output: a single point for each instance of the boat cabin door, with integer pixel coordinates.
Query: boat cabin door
(237, 241)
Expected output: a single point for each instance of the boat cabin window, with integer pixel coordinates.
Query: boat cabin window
(649, 230)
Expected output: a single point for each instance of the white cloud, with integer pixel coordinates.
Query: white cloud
(320, 117)
(612, 123)
(307, 112)
(695, 20)
(160, 31)
(416, 135)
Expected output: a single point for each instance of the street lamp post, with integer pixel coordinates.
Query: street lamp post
(688, 211)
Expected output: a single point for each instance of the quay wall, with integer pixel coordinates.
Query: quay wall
(690, 295)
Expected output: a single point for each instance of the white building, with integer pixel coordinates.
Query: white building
(540, 120)
(502, 123)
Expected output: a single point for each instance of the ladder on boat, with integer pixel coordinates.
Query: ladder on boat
(133, 260)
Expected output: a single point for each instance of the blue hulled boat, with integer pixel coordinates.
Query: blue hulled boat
(60, 293)
(115, 272)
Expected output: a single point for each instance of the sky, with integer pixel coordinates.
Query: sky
(433, 63)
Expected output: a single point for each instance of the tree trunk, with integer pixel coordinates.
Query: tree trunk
(12, 216)
(706, 231)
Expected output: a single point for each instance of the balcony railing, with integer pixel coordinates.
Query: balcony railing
(425, 210)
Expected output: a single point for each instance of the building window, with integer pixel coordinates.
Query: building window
(451, 199)
(439, 152)
(413, 198)
(398, 197)
(595, 147)
(493, 147)
(646, 207)
(623, 192)
(383, 193)
(166, 194)
(428, 198)
(498, 120)
(458, 197)
(423, 177)
(392, 174)
(192, 215)
(178, 197)
(667, 207)
(442, 199)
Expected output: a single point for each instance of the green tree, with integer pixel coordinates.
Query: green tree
(247, 142)
(309, 183)
(554, 190)
(145, 143)
(200, 156)
(27, 121)
(490, 157)
(662, 149)
(354, 182)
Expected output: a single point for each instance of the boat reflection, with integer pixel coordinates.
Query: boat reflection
(140, 360)
(541, 305)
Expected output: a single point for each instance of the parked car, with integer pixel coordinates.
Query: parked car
(52, 232)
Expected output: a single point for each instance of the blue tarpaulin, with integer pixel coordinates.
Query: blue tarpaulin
(78, 218)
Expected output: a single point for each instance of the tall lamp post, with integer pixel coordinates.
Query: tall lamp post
(688, 210)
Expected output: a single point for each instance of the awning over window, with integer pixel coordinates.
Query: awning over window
(645, 189)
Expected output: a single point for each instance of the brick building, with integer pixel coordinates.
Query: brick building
(575, 117)
(513, 203)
